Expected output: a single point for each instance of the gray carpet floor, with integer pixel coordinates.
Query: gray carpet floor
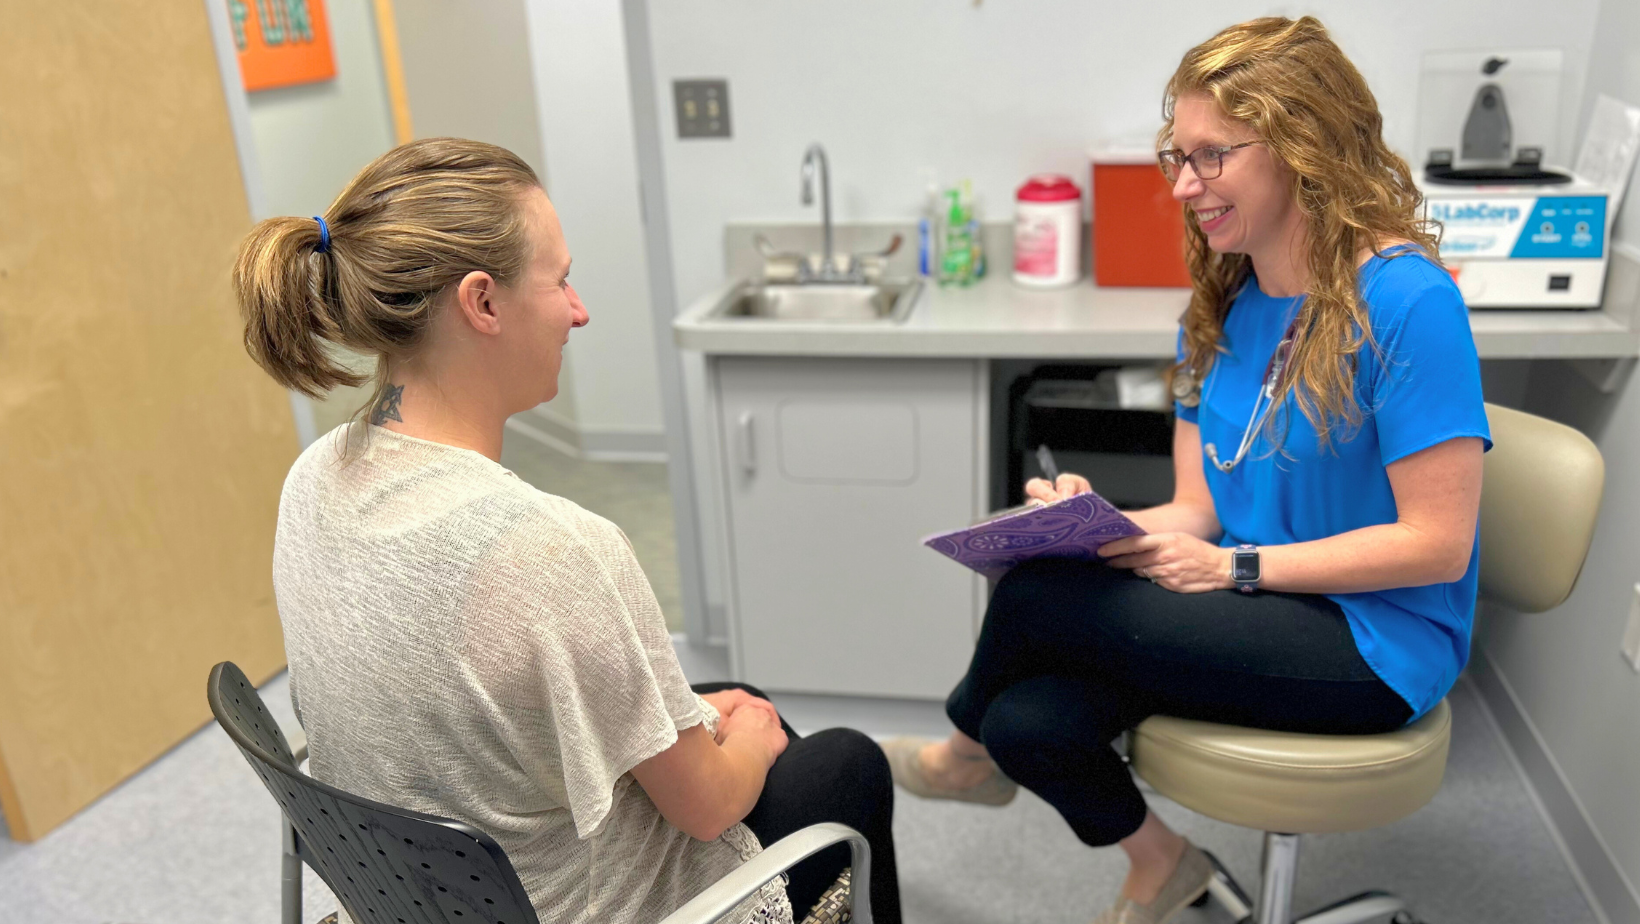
(194, 838)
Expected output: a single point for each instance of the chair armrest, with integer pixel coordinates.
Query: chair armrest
(722, 896)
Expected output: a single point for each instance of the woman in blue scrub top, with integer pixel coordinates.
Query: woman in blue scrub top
(1316, 569)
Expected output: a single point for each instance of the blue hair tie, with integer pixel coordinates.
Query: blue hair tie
(324, 236)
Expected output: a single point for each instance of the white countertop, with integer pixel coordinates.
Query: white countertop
(997, 319)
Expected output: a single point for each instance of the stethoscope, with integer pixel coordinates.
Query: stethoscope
(1185, 386)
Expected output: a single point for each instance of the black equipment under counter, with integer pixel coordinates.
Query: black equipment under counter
(1074, 410)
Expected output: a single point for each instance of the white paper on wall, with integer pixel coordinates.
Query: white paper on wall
(1610, 146)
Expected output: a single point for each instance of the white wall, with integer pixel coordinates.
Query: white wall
(994, 92)
(467, 73)
(585, 111)
(1580, 702)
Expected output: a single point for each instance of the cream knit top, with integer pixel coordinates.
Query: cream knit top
(465, 645)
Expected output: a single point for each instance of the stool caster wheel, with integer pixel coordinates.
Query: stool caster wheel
(1404, 917)
(1202, 900)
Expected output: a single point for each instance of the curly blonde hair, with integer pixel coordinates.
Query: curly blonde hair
(1292, 85)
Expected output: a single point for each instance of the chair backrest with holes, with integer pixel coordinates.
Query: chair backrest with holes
(386, 865)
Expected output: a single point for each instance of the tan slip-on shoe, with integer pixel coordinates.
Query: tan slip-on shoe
(906, 765)
(1188, 882)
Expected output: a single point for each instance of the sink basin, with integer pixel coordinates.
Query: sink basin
(886, 301)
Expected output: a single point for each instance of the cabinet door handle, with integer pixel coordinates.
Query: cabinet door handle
(745, 447)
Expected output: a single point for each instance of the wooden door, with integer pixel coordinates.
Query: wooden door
(835, 469)
(141, 453)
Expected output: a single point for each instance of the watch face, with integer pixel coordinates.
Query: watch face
(1244, 566)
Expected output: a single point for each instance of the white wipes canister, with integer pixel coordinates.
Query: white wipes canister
(1048, 232)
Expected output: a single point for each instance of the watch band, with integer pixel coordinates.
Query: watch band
(1246, 583)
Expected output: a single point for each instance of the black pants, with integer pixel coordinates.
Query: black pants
(837, 775)
(1074, 653)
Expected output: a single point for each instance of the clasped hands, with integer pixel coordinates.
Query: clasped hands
(1180, 562)
(740, 712)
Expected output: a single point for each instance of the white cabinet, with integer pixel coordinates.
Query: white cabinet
(833, 471)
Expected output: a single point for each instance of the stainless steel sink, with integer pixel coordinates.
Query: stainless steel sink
(887, 301)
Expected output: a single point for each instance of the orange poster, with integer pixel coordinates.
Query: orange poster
(281, 42)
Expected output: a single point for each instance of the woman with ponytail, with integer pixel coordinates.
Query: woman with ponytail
(465, 645)
(1316, 569)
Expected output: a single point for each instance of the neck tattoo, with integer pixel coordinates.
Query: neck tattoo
(388, 407)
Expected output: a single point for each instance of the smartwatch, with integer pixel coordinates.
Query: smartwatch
(1244, 567)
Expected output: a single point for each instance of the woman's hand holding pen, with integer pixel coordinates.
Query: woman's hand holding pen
(1067, 485)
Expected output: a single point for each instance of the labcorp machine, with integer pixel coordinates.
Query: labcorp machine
(1515, 232)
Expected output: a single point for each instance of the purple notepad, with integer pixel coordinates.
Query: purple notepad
(1072, 528)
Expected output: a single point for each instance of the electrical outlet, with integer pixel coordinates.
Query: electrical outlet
(702, 108)
(1631, 635)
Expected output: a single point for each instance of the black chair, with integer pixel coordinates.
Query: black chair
(392, 866)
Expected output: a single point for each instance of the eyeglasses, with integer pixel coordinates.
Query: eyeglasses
(1208, 162)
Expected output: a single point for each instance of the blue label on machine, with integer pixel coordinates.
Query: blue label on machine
(1563, 226)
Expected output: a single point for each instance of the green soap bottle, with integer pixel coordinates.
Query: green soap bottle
(957, 256)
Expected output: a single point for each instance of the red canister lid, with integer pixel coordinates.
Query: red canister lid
(1049, 187)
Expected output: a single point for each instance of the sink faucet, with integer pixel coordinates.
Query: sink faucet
(813, 156)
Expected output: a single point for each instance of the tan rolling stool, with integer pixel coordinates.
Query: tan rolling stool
(1538, 505)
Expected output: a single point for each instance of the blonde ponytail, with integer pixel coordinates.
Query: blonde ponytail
(280, 278)
(411, 224)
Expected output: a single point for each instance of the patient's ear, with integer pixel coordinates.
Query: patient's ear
(475, 299)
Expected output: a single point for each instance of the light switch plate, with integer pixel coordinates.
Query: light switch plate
(702, 108)
(1631, 635)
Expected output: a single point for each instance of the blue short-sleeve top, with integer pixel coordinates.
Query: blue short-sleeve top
(1421, 388)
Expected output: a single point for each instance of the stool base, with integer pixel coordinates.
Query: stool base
(1276, 894)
